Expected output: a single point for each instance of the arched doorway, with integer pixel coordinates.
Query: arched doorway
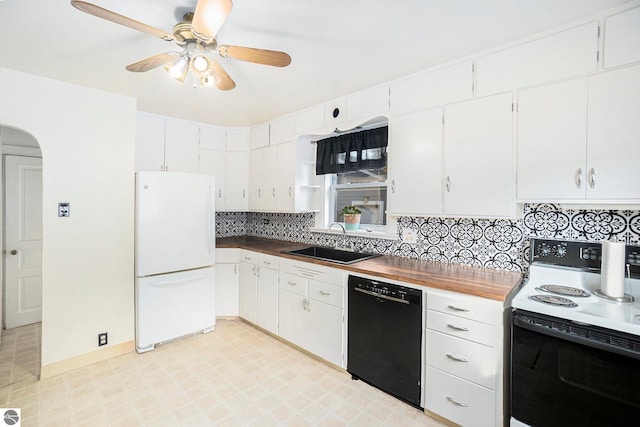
(21, 308)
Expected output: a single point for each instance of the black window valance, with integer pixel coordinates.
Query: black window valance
(366, 149)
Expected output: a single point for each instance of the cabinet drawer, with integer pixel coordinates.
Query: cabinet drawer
(268, 261)
(468, 360)
(325, 292)
(312, 271)
(227, 256)
(468, 307)
(292, 283)
(458, 400)
(463, 328)
(248, 256)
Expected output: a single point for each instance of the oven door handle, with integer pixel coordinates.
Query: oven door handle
(578, 339)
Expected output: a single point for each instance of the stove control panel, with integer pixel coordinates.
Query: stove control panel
(583, 255)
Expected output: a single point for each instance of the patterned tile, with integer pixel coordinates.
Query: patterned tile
(491, 243)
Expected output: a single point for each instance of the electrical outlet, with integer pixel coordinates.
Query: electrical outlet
(409, 235)
(64, 209)
(102, 339)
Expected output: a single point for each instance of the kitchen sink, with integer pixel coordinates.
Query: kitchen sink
(331, 254)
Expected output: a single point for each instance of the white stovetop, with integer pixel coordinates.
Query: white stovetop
(594, 310)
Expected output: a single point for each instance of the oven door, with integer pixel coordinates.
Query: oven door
(569, 374)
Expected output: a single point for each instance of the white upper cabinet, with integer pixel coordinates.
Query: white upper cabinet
(622, 38)
(368, 104)
(213, 138)
(551, 150)
(237, 139)
(613, 136)
(309, 120)
(255, 180)
(237, 181)
(570, 53)
(281, 130)
(415, 163)
(166, 144)
(259, 136)
(213, 163)
(578, 140)
(479, 157)
(432, 89)
(285, 178)
(149, 142)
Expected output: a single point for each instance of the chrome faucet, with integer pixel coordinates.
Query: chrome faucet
(344, 237)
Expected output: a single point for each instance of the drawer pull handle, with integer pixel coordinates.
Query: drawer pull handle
(456, 358)
(455, 402)
(325, 293)
(292, 283)
(453, 307)
(457, 328)
(266, 263)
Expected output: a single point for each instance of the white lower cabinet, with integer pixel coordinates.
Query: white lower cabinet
(267, 293)
(311, 309)
(248, 286)
(227, 282)
(464, 358)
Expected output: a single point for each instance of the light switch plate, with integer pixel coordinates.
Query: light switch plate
(409, 235)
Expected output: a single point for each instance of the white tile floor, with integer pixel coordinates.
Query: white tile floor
(234, 376)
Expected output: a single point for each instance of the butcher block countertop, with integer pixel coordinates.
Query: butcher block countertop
(488, 283)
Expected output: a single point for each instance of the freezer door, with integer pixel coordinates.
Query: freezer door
(175, 222)
(172, 305)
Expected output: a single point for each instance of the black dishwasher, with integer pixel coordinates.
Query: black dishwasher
(385, 337)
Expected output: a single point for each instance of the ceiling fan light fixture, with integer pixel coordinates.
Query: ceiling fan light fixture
(178, 70)
(207, 81)
(209, 17)
(200, 66)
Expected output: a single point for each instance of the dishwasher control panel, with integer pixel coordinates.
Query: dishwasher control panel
(385, 290)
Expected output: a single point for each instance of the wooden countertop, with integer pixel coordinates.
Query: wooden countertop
(488, 283)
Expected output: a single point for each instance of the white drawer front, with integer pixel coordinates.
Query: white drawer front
(227, 255)
(295, 284)
(325, 292)
(458, 400)
(248, 256)
(463, 328)
(468, 360)
(268, 261)
(313, 271)
(469, 307)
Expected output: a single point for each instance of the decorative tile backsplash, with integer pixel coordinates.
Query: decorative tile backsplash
(492, 243)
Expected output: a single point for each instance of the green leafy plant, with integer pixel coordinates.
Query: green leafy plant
(350, 210)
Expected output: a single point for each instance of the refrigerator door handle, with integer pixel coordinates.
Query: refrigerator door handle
(210, 220)
(180, 282)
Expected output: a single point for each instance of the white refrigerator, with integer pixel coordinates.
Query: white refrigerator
(174, 256)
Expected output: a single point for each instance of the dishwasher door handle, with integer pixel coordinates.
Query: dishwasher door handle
(375, 294)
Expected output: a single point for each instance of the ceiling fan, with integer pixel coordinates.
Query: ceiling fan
(196, 36)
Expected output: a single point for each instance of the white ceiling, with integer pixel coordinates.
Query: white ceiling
(337, 47)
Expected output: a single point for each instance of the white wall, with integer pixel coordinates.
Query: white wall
(87, 138)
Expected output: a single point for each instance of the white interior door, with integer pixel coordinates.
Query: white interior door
(23, 241)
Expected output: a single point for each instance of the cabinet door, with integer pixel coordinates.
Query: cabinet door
(325, 328)
(267, 305)
(212, 138)
(237, 139)
(368, 104)
(613, 138)
(213, 163)
(552, 134)
(415, 163)
(248, 292)
(255, 180)
(149, 142)
(227, 290)
(269, 178)
(285, 178)
(259, 136)
(181, 146)
(292, 318)
(479, 157)
(622, 38)
(281, 130)
(237, 181)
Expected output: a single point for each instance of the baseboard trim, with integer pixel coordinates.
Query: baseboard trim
(86, 359)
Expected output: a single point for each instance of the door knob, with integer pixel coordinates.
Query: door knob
(13, 252)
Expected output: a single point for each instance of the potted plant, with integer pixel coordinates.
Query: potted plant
(351, 217)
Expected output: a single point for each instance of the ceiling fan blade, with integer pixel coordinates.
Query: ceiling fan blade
(258, 56)
(94, 10)
(209, 17)
(152, 62)
(223, 80)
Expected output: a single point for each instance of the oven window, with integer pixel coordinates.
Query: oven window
(555, 382)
